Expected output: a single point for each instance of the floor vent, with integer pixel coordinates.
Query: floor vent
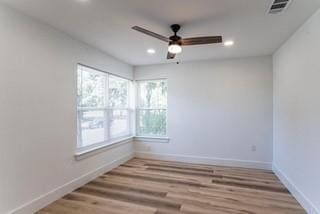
(279, 6)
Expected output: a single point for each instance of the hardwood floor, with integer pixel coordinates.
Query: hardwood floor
(150, 186)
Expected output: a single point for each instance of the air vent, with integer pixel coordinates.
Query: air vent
(278, 6)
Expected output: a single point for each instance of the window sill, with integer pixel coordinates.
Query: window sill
(79, 155)
(151, 139)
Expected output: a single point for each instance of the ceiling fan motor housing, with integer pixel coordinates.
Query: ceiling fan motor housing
(175, 40)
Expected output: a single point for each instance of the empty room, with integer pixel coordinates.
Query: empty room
(160, 107)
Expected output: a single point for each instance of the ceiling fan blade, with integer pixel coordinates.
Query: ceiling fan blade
(201, 40)
(150, 33)
(170, 55)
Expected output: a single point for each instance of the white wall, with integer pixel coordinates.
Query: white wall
(297, 113)
(38, 109)
(217, 110)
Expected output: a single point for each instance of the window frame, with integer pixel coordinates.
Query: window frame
(107, 112)
(138, 108)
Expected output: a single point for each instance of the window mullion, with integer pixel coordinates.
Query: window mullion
(137, 98)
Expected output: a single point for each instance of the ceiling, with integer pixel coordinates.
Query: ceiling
(106, 25)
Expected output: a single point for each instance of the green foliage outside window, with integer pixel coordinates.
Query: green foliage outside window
(152, 113)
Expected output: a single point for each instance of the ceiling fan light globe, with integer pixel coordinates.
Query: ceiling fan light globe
(174, 48)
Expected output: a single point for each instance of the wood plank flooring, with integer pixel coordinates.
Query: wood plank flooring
(159, 187)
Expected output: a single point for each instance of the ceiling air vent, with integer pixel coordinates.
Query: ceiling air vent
(278, 6)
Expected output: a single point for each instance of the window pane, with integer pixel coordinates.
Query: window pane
(92, 127)
(101, 96)
(119, 123)
(153, 94)
(118, 92)
(151, 122)
(91, 88)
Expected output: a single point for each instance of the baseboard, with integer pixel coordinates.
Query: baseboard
(46, 199)
(301, 198)
(205, 160)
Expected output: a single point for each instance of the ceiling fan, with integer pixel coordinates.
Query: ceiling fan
(175, 42)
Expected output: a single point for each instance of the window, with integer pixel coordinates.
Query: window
(103, 107)
(119, 113)
(151, 118)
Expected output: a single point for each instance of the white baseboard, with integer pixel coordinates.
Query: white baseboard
(205, 160)
(46, 199)
(301, 198)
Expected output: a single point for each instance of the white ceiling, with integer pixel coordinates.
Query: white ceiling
(106, 25)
